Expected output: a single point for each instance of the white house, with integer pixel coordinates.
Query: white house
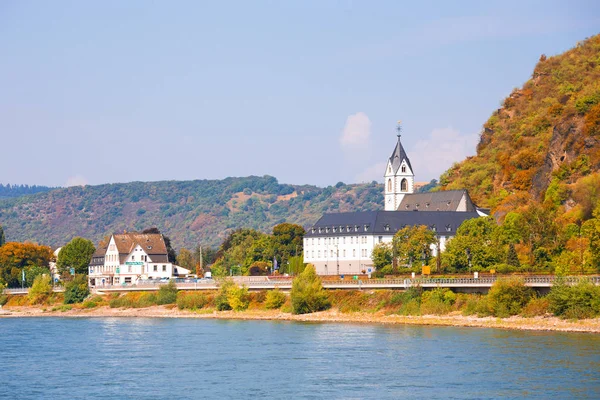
(131, 257)
(342, 243)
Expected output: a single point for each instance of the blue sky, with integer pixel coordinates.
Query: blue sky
(309, 92)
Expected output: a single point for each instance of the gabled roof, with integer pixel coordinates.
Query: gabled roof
(153, 244)
(397, 156)
(444, 223)
(446, 200)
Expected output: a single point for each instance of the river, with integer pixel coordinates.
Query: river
(153, 358)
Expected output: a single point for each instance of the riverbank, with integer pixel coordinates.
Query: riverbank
(545, 323)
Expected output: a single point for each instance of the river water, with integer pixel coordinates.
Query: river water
(152, 358)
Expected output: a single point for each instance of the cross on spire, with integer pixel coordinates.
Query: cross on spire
(399, 129)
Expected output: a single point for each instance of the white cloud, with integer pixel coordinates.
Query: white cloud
(76, 180)
(431, 156)
(372, 173)
(357, 131)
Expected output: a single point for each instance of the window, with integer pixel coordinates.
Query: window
(312, 254)
(448, 228)
(313, 230)
(117, 280)
(331, 253)
(128, 280)
(404, 168)
(132, 258)
(344, 252)
(327, 230)
(404, 185)
(353, 252)
(164, 268)
(334, 229)
(155, 268)
(386, 228)
(380, 239)
(129, 268)
(319, 253)
(351, 239)
(389, 185)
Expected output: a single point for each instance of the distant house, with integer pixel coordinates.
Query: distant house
(131, 257)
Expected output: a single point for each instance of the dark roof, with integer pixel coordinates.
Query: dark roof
(398, 155)
(445, 200)
(445, 223)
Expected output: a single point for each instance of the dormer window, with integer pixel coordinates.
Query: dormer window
(407, 206)
(320, 230)
(448, 203)
(341, 229)
(334, 229)
(313, 230)
(327, 230)
(448, 228)
(426, 205)
(432, 227)
(386, 227)
(366, 228)
(356, 227)
(149, 247)
(417, 205)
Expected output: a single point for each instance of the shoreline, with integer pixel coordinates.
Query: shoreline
(456, 319)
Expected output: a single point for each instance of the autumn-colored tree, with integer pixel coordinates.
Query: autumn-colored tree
(75, 254)
(15, 256)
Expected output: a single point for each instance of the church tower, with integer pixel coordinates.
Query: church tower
(399, 178)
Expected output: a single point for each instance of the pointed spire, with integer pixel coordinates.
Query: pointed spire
(399, 154)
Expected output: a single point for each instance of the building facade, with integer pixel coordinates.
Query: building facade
(131, 257)
(342, 243)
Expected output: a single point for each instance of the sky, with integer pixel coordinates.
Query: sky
(310, 92)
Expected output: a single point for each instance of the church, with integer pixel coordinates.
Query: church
(342, 243)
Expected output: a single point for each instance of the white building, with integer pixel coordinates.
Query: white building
(131, 257)
(342, 243)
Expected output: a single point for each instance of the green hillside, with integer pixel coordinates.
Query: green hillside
(190, 212)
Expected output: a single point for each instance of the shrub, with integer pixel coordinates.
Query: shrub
(275, 299)
(307, 293)
(222, 298)
(536, 307)
(238, 298)
(191, 301)
(167, 294)
(76, 290)
(40, 290)
(437, 301)
(134, 300)
(508, 297)
(575, 302)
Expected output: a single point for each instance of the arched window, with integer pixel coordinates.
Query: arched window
(389, 185)
(404, 185)
(404, 168)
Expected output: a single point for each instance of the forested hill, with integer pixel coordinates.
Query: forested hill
(189, 212)
(21, 190)
(543, 145)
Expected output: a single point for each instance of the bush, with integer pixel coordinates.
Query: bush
(508, 297)
(307, 293)
(275, 299)
(574, 302)
(167, 294)
(437, 301)
(191, 301)
(238, 298)
(133, 300)
(222, 298)
(40, 290)
(76, 290)
(537, 306)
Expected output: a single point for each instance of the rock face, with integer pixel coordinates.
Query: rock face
(547, 133)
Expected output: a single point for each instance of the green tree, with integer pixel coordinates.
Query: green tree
(275, 299)
(76, 290)
(475, 239)
(167, 294)
(511, 257)
(508, 297)
(185, 259)
(222, 297)
(40, 290)
(33, 271)
(382, 255)
(307, 293)
(75, 254)
(412, 245)
(287, 241)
